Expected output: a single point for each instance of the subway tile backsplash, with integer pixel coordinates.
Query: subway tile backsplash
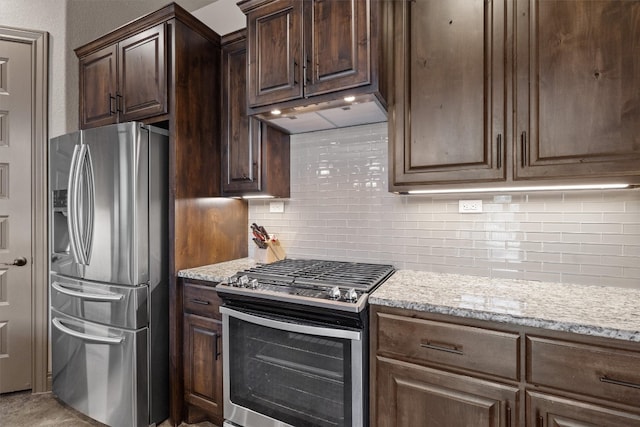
(340, 209)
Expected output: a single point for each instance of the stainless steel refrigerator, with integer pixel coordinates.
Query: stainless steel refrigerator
(109, 274)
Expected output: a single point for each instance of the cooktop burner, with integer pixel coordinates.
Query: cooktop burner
(335, 284)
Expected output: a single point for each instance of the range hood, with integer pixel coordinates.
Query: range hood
(359, 110)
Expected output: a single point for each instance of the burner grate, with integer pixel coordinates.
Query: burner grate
(361, 276)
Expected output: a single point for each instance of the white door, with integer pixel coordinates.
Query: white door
(15, 216)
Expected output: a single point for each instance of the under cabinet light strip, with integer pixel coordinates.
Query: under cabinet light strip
(258, 196)
(523, 188)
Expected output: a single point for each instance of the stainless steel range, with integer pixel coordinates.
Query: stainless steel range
(296, 343)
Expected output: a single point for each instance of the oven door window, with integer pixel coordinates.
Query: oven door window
(302, 380)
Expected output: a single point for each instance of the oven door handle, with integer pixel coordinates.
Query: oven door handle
(300, 328)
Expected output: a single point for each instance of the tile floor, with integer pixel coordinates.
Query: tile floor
(24, 409)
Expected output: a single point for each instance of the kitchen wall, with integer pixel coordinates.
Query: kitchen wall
(340, 209)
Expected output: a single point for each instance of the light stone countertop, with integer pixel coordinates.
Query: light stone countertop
(217, 272)
(589, 310)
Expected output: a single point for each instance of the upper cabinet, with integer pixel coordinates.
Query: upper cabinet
(577, 89)
(447, 122)
(255, 157)
(514, 92)
(303, 52)
(276, 63)
(126, 80)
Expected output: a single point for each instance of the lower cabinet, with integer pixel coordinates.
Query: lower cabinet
(439, 370)
(202, 340)
(548, 410)
(413, 395)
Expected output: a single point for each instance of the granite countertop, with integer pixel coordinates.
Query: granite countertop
(217, 272)
(589, 310)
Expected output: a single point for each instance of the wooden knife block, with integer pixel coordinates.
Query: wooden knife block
(273, 252)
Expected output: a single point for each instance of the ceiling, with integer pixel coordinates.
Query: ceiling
(223, 16)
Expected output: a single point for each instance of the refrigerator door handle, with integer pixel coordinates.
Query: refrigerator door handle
(85, 295)
(86, 166)
(88, 337)
(72, 203)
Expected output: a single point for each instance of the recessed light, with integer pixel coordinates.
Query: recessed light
(276, 112)
(349, 98)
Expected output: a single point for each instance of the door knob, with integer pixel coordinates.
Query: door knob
(18, 262)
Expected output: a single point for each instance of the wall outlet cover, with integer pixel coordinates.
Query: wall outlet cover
(276, 207)
(470, 206)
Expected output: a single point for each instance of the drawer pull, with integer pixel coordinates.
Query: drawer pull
(453, 349)
(608, 380)
(199, 301)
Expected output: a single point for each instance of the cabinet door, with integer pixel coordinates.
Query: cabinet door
(275, 61)
(410, 395)
(142, 75)
(447, 121)
(98, 88)
(240, 133)
(337, 45)
(203, 363)
(552, 411)
(578, 73)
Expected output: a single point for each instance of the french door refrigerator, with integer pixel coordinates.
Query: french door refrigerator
(109, 272)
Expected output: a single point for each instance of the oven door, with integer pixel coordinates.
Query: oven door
(279, 372)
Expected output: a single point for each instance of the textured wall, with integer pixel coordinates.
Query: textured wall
(340, 209)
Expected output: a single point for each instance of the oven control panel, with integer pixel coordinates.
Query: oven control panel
(332, 293)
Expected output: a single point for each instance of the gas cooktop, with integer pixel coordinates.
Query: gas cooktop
(333, 284)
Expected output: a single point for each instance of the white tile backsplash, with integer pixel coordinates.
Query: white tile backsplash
(340, 209)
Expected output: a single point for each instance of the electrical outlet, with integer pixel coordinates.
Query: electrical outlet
(470, 206)
(277, 207)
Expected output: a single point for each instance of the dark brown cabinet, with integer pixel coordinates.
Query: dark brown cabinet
(577, 83)
(600, 375)
(124, 81)
(431, 369)
(547, 410)
(298, 49)
(413, 395)
(255, 157)
(448, 119)
(508, 92)
(438, 373)
(202, 339)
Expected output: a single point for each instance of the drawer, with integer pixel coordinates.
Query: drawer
(606, 373)
(465, 347)
(201, 300)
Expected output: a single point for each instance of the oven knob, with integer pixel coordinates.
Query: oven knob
(351, 295)
(253, 284)
(334, 293)
(243, 282)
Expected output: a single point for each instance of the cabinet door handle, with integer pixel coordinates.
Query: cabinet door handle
(216, 350)
(540, 421)
(118, 102)
(199, 301)
(523, 147)
(112, 100)
(447, 349)
(295, 72)
(306, 69)
(608, 380)
(499, 148)
(508, 416)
